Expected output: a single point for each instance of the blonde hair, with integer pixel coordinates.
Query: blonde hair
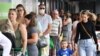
(92, 16)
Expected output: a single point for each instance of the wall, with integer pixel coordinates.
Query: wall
(98, 7)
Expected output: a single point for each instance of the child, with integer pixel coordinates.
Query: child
(64, 51)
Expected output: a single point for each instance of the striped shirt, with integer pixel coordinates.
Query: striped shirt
(56, 26)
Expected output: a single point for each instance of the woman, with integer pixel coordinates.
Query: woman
(20, 31)
(32, 34)
(67, 27)
(8, 30)
(86, 30)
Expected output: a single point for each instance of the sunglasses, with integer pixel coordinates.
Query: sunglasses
(41, 8)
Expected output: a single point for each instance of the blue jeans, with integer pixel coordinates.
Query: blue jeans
(32, 50)
(87, 47)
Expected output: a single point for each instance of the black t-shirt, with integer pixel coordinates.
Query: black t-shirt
(89, 26)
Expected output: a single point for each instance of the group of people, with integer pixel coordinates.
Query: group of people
(23, 30)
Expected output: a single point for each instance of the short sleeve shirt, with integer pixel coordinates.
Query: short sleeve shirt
(44, 21)
(67, 52)
(30, 31)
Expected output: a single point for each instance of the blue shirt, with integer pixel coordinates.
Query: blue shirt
(66, 52)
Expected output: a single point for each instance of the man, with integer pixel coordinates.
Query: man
(46, 22)
(55, 31)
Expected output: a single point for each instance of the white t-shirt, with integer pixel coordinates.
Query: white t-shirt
(44, 21)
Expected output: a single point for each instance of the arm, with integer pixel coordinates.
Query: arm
(94, 34)
(60, 27)
(71, 51)
(77, 34)
(74, 28)
(73, 32)
(33, 39)
(23, 31)
(47, 30)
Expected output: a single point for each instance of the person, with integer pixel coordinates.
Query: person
(21, 12)
(6, 44)
(62, 14)
(65, 50)
(67, 27)
(56, 30)
(46, 22)
(74, 26)
(87, 41)
(32, 34)
(8, 30)
(20, 31)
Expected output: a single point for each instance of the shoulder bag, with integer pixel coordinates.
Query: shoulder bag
(86, 31)
(42, 42)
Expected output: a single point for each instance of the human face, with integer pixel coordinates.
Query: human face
(64, 45)
(42, 10)
(55, 14)
(27, 21)
(12, 15)
(84, 17)
(20, 11)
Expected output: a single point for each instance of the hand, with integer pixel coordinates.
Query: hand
(75, 46)
(41, 34)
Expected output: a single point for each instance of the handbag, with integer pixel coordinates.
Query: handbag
(42, 42)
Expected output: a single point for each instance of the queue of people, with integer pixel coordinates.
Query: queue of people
(23, 31)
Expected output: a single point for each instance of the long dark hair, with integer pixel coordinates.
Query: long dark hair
(31, 16)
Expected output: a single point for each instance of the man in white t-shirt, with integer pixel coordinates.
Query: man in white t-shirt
(46, 22)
